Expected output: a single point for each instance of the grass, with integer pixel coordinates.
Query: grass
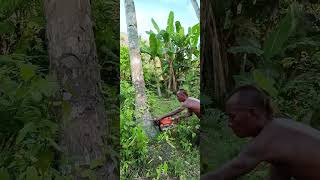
(174, 155)
(170, 155)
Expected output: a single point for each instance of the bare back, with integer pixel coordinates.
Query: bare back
(193, 105)
(292, 148)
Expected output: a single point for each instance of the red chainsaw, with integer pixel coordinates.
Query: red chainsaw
(165, 123)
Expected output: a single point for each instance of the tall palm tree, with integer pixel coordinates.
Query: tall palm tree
(73, 60)
(196, 8)
(142, 113)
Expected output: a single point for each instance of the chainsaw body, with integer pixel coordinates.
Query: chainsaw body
(165, 123)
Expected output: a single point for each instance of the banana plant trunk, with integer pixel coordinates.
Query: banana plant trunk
(73, 60)
(172, 77)
(142, 113)
(157, 77)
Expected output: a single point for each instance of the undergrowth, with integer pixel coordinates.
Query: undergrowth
(172, 155)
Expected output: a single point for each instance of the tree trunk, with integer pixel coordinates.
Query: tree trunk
(172, 77)
(73, 60)
(196, 8)
(214, 64)
(142, 113)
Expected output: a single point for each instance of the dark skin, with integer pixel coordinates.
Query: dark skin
(192, 104)
(292, 149)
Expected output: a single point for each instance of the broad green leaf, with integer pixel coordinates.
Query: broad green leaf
(36, 96)
(276, 39)
(160, 49)
(153, 45)
(165, 167)
(165, 35)
(155, 25)
(181, 32)
(27, 71)
(8, 86)
(196, 28)
(316, 56)
(178, 26)
(195, 33)
(4, 174)
(44, 160)
(170, 25)
(5, 59)
(6, 27)
(145, 49)
(29, 127)
(264, 82)
(21, 91)
(47, 86)
(32, 174)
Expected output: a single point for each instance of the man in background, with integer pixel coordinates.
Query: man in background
(192, 105)
(291, 148)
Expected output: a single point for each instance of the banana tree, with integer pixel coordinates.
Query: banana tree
(175, 48)
(273, 45)
(155, 51)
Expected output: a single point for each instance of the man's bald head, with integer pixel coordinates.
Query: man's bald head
(182, 95)
(248, 96)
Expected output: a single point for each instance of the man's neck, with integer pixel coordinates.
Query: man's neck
(264, 123)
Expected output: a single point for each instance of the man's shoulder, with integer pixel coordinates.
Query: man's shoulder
(279, 123)
(287, 122)
(289, 125)
(193, 99)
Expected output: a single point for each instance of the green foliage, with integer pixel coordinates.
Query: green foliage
(125, 64)
(27, 122)
(170, 23)
(276, 39)
(173, 45)
(155, 25)
(133, 139)
(264, 82)
(105, 16)
(29, 128)
(6, 27)
(170, 155)
(286, 67)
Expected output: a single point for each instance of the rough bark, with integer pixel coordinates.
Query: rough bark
(214, 64)
(142, 113)
(73, 59)
(196, 8)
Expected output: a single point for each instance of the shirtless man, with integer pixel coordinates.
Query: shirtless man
(291, 148)
(192, 104)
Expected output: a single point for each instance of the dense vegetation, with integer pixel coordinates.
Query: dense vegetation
(29, 123)
(170, 60)
(274, 46)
